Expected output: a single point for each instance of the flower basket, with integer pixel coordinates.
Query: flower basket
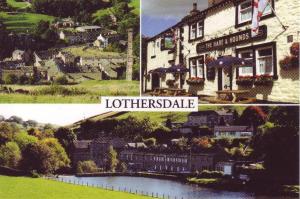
(209, 59)
(245, 81)
(289, 62)
(170, 82)
(195, 81)
(263, 80)
(294, 49)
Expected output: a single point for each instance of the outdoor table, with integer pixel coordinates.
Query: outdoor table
(159, 91)
(175, 91)
(233, 95)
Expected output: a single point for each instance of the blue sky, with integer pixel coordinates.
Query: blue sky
(158, 15)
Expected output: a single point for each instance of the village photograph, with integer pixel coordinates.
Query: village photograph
(221, 51)
(218, 152)
(68, 51)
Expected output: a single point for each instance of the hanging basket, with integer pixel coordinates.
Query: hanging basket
(289, 62)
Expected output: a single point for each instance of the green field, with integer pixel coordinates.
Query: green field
(92, 88)
(36, 188)
(18, 5)
(23, 22)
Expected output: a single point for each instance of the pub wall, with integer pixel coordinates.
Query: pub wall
(221, 22)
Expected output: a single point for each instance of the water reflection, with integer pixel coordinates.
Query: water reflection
(161, 187)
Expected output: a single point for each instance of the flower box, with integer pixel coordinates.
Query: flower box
(245, 81)
(294, 49)
(195, 81)
(264, 80)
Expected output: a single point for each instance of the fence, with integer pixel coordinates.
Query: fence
(114, 188)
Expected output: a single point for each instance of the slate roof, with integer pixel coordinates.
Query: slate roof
(82, 144)
(233, 128)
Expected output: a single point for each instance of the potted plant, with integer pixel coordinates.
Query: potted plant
(263, 80)
(289, 62)
(245, 81)
(294, 49)
(195, 80)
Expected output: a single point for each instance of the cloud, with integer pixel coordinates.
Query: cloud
(170, 8)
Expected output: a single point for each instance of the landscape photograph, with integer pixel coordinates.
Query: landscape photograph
(70, 51)
(217, 152)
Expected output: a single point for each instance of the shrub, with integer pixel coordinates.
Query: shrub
(11, 79)
(61, 80)
(23, 80)
(86, 167)
(211, 174)
(10, 155)
(60, 90)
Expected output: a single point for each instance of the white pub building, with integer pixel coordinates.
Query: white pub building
(224, 29)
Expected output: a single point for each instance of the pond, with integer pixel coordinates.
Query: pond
(166, 188)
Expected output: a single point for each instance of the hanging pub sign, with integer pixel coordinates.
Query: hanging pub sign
(231, 40)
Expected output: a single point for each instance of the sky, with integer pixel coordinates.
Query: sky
(51, 113)
(158, 15)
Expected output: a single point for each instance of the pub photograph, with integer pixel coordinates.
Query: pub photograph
(222, 51)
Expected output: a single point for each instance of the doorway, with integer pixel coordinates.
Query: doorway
(155, 81)
(225, 78)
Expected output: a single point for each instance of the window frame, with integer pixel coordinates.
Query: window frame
(197, 59)
(254, 50)
(248, 22)
(196, 24)
(240, 68)
(258, 73)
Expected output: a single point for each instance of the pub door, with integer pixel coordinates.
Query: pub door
(225, 78)
(155, 81)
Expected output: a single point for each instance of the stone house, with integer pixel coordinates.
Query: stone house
(224, 29)
(166, 160)
(233, 131)
(81, 151)
(205, 119)
(88, 29)
(64, 23)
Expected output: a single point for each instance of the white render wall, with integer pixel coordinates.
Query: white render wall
(220, 22)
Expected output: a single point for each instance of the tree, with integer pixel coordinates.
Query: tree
(66, 137)
(112, 159)
(10, 155)
(86, 167)
(23, 139)
(6, 132)
(45, 156)
(277, 143)
(253, 116)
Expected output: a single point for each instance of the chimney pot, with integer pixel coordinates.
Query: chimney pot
(194, 6)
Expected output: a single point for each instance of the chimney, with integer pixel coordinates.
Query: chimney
(129, 55)
(213, 2)
(194, 6)
(194, 10)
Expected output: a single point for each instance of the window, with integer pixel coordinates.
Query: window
(246, 70)
(197, 67)
(244, 11)
(193, 68)
(197, 30)
(153, 48)
(193, 31)
(264, 61)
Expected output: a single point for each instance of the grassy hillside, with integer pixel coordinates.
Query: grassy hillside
(18, 5)
(23, 22)
(29, 188)
(92, 89)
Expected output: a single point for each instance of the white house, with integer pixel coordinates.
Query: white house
(224, 29)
